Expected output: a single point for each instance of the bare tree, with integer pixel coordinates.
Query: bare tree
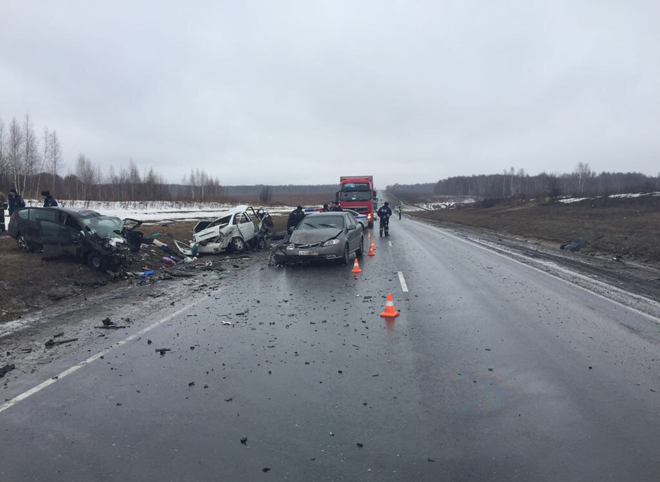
(15, 152)
(583, 174)
(54, 163)
(31, 159)
(4, 160)
(265, 194)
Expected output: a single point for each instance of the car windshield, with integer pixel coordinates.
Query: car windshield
(320, 222)
(355, 195)
(103, 226)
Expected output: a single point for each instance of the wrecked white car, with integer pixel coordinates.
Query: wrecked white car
(235, 230)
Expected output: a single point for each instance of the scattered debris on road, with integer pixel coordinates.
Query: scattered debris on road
(52, 342)
(7, 368)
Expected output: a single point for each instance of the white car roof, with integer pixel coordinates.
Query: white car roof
(238, 209)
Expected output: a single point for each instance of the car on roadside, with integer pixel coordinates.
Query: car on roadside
(84, 234)
(235, 230)
(327, 236)
(360, 218)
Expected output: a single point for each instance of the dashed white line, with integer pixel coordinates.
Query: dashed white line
(69, 371)
(402, 280)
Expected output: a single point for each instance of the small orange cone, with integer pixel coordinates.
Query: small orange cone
(373, 246)
(356, 267)
(371, 251)
(389, 312)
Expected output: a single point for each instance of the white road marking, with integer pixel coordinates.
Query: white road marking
(492, 249)
(402, 280)
(390, 243)
(69, 371)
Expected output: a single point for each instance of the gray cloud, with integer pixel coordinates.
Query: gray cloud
(297, 92)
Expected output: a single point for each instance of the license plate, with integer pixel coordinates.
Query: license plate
(308, 253)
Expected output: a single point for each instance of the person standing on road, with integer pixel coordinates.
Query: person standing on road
(49, 201)
(384, 214)
(399, 210)
(325, 208)
(295, 217)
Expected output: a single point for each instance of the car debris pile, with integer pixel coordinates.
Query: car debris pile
(119, 248)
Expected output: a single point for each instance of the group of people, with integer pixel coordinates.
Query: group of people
(384, 214)
(15, 202)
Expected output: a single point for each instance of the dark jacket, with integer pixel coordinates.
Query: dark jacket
(384, 212)
(15, 202)
(295, 217)
(335, 208)
(50, 202)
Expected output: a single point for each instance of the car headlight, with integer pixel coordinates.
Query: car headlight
(369, 216)
(290, 247)
(331, 242)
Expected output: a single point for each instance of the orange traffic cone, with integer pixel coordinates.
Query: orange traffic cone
(373, 246)
(356, 267)
(389, 311)
(371, 251)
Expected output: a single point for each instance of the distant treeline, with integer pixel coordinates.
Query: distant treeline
(31, 163)
(581, 182)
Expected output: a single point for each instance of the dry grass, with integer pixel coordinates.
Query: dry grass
(609, 226)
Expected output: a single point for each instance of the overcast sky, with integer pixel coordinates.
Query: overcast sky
(306, 91)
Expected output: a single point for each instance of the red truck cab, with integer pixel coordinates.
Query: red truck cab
(357, 193)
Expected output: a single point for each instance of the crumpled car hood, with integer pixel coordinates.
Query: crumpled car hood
(310, 236)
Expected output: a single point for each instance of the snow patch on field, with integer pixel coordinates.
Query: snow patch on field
(570, 200)
(157, 210)
(433, 206)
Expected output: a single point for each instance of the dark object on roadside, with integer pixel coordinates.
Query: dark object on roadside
(266, 469)
(162, 351)
(190, 384)
(573, 245)
(229, 399)
(49, 200)
(7, 368)
(50, 343)
(360, 445)
(431, 460)
(107, 322)
(244, 440)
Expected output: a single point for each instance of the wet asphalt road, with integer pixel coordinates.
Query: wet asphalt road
(493, 371)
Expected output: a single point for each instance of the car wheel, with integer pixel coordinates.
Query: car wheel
(237, 244)
(95, 261)
(344, 260)
(360, 250)
(23, 244)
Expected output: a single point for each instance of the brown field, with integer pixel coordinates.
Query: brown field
(628, 227)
